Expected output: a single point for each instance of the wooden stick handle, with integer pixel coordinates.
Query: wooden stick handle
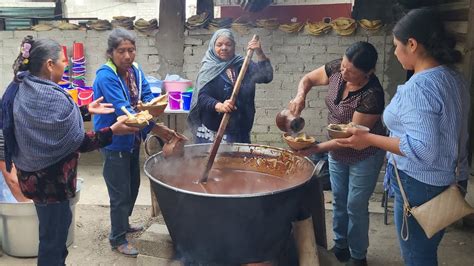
(225, 119)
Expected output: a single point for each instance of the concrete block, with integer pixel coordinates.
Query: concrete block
(75, 35)
(188, 51)
(13, 43)
(377, 41)
(298, 40)
(291, 68)
(20, 34)
(300, 58)
(156, 241)
(153, 59)
(144, 260)
(312, 49)
(196, 32)
(287, 49)
(148, 50)
(337, 50)
(6, 35)
(191, 67)
(192, 41)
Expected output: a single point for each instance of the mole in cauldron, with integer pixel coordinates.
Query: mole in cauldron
(243, 213)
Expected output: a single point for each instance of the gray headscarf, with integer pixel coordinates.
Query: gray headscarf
(211, 67)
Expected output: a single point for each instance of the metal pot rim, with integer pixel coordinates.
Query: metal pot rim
(228, 195)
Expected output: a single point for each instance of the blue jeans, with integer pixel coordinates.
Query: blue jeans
(418, 249)
(352, 185)
(122, 177)
(54, 221)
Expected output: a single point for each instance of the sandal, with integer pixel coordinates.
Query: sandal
(134, 229)
(126, 249)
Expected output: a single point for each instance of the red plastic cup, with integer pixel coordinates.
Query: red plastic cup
(77, 51)
(65, 53)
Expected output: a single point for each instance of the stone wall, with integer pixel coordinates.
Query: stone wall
(293, 55)
(95, 45)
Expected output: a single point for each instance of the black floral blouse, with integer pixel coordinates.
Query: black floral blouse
(57, 182)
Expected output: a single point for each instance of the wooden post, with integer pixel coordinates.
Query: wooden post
(306, 243)
(170, 37)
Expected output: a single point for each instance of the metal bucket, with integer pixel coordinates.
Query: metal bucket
(230, 229)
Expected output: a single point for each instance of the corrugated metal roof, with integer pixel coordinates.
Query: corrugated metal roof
(19, 17)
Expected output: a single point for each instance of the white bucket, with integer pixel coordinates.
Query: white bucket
(19, 226)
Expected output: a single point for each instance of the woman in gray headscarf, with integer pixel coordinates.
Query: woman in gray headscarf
(216, 78)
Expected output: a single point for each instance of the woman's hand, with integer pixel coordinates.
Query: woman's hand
(96, 107)
(358, 141)
(297, 104)
(166, 133)
(120, 128)
(308, 151)
(225, 107)
(256, 46)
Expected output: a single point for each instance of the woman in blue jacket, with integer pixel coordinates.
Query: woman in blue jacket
(122, 82)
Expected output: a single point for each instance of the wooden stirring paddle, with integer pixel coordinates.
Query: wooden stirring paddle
(225, 119)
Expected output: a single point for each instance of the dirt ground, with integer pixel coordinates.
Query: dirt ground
(91, 245)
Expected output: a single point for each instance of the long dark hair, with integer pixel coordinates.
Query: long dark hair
(426, 27)
(362, 55)
(34, 53)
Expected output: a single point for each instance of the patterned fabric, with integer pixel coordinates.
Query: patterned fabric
(47, 124)
(369, 100)
(57, 182)
(132, 87)
(427, 114)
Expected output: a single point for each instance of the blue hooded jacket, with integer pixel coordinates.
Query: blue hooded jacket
(109, 84)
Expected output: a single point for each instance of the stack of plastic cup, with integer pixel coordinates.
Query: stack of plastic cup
(78, 65)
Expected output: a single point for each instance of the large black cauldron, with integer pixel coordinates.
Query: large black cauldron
(230, 229)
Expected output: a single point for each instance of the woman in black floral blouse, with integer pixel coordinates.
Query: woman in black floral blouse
(44, 135)
(354, 95)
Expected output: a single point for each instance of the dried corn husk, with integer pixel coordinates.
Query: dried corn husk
(292, 27)
(370, 25)
(42, 27)
(269, 24)
(242, 28)
(344, 26)
(317, 28)
(99, 24)
(67, 26)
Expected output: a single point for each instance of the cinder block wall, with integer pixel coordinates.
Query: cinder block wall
(95, 46)
(292, 56)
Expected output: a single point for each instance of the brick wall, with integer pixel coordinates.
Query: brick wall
(95, 45)
(292, 56)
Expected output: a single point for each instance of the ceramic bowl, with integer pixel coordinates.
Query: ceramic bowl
(339, 131)
(298, 144)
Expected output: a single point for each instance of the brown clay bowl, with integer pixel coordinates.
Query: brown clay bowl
(339, 131)
(298, 144)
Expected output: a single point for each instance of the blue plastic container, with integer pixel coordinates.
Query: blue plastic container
(186, 97)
